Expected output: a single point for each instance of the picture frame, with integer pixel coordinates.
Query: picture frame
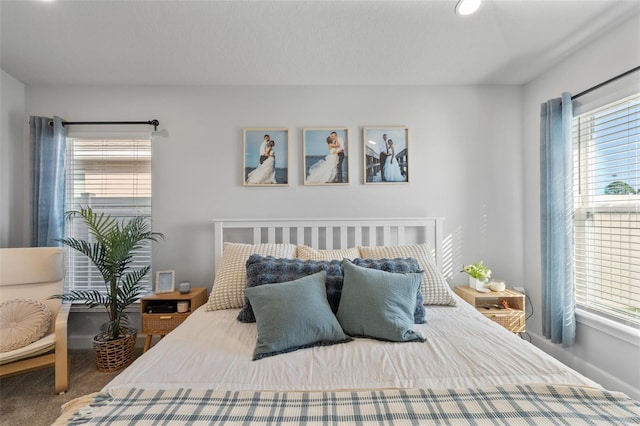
(378, 144)
(325, 155)
(165, 281)
(264, 164)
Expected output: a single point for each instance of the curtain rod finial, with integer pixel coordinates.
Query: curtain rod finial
(155, 123)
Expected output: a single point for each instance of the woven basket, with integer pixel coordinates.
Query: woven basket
(511, 319)
(114, 355)
(161, 324)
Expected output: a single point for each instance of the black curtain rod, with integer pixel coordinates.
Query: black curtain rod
(604, 83)
(154, 123)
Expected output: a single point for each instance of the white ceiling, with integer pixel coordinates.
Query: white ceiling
(266, 42)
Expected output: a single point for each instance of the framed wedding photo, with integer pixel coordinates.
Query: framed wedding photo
(386, 155)
(265, 156)
(165, 281)
(325, 156)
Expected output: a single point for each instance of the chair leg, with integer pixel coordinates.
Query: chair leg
(61, 372)
(61, 355)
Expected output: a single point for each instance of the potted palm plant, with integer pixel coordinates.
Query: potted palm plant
(111, 251)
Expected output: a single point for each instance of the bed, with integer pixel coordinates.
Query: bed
(463, 368)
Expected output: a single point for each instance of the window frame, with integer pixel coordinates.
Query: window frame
(125, 211)
(588, 204)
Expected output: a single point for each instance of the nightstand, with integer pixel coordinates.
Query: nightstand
(511, 318)
(160, 312)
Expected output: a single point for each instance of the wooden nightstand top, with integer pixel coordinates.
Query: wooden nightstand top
(195, 293)
(478, 294)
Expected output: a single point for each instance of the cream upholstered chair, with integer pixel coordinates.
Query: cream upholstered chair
(36, 273)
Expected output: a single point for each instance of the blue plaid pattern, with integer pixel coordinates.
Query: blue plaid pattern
(503, 405)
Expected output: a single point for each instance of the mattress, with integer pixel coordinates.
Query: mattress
(463, 349)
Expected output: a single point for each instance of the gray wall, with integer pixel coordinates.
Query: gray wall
(13, 157)
(465, 159)
(464, 147)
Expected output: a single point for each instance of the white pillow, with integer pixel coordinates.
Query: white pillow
(231, 276)
(308, 253)
(22, 322)
(434, 288)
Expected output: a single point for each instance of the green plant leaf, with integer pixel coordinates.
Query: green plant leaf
(88, 297)
(112, 253)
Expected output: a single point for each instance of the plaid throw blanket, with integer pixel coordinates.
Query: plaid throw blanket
(504, 405)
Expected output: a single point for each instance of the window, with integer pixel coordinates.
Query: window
(607, 210)
(111, 176)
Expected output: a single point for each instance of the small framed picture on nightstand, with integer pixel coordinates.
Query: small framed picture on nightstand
(165, 281)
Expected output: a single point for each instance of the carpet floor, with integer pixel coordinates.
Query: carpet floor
(29, 399)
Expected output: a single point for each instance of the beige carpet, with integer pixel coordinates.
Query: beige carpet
(29, 399)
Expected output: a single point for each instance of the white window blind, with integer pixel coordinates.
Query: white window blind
(111, 176)
(607, 210)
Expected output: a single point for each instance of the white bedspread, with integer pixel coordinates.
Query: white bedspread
(211, 350)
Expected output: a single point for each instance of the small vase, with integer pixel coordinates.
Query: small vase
(475, 283)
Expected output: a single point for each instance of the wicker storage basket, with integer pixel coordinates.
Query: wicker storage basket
(511, 319)
(161, 324)
(114, 355)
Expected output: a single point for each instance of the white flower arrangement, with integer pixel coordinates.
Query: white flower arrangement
(478, 271)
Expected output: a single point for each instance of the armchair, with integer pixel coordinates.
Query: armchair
(37, 273)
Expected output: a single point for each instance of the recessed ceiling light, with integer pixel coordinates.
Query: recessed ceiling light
(467, 7)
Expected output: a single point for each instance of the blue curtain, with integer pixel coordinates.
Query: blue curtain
(48, 158)
(556, 204)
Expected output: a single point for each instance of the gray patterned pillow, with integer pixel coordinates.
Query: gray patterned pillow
(398, 265)
(270, 270)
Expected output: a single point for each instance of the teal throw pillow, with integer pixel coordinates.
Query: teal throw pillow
(293, 315)
(378, 304)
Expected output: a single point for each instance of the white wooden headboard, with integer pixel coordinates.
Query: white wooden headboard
(331, 233)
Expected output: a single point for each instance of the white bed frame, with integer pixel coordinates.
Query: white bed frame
(332, 233)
